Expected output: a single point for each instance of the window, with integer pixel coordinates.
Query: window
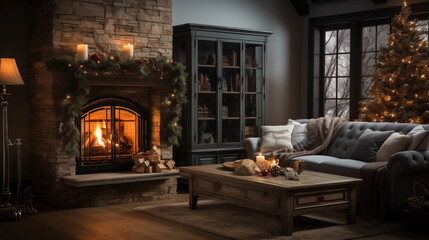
(344, 49)
(373, 39)
(336, 84)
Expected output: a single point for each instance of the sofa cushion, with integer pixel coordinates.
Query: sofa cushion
(313, 162)
(396, 142)
(420, 139)
(368, 145)
(343, 167)
(276, 137)
(343, 143)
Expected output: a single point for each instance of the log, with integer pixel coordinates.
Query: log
(148, 169)
(170, 164)
(161, 168)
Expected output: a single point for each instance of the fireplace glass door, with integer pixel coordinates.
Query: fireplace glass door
(110, 134)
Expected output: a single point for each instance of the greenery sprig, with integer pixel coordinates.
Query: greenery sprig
(76, 90)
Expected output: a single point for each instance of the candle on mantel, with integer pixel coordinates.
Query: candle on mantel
(82, 52)
(260, 161)
(128, 51)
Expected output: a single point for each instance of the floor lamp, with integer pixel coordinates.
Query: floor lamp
(9, 75)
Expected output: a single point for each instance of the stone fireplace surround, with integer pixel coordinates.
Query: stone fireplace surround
(105, 25)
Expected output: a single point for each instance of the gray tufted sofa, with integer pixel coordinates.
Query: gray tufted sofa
(404, 168)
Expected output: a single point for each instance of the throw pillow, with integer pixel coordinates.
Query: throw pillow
(293, 122)
(299, 134)
(368, 144)
(276, 137)
(420, 139)
(394, 143)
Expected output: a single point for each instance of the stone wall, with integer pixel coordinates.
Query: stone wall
(56, 27)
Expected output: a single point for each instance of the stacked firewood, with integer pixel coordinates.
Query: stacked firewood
(151, 162)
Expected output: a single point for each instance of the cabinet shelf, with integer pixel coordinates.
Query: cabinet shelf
(230, 92)
(230, 118)
(206, 66)
(205, 119)
(250, 118)
(254, 68)
(207, 92)
(231, 67)
(253, 93)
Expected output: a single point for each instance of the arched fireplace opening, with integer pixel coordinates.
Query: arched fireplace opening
(112, 130)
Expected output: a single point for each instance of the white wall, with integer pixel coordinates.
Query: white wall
(277, 16)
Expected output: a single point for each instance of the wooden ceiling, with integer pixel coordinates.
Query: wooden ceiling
(302, 7)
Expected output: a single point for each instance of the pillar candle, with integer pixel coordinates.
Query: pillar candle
(260, 161)
(267, 164)
(128, 51)
(82, 52)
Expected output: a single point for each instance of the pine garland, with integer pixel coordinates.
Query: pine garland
(77, 89)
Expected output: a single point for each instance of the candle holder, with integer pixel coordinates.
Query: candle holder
(299, 166)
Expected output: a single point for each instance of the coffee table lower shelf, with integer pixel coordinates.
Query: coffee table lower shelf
(274, 195)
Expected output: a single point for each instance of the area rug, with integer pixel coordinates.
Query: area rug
(236, 222)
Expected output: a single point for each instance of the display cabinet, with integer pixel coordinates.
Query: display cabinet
(226, 91)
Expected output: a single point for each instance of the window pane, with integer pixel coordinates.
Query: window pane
(343, 87)
(330, 65)
(382, 35)
(344, 40)
(330, 88)
(343, 64)
(368, 61)
(368, 39)
(423, 26)
(343, 109)
(329, 108)
(330, 42)
(366, 84)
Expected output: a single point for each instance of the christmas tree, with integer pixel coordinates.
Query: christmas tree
(400, 90)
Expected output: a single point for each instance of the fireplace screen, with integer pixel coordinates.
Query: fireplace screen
(111, 131)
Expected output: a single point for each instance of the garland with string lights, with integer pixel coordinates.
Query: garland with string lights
(77, 89)
(400, 90)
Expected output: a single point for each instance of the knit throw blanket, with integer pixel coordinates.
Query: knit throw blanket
(320, 132)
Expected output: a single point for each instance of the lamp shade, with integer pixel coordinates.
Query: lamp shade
(9, 73)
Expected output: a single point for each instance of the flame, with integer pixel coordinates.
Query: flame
(99, 134)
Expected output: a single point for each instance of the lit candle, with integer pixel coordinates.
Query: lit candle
(128, 51)
(267, 164)
(82, 52)
(260, 161)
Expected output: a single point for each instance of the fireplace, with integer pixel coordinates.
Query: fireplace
(112, 129)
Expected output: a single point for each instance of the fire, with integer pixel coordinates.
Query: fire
(99, 135)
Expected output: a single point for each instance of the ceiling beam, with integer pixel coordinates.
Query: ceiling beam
(379, 1)
(301, 6)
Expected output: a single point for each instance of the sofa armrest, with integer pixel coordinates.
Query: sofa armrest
(404, 169)
(407, 162)
(251, 146)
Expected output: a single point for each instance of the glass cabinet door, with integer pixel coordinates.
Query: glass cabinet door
(230, 86)
(253, 89)
(206, 88)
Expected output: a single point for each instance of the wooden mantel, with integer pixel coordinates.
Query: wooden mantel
(127, 80)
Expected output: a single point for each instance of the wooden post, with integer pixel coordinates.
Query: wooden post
(286, 212)
(193, 199)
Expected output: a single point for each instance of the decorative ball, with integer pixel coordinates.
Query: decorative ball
(264, 172)
(387, 98)
(275, 171)
(96, 57)
(406, 86)
(174, 63)
(401, 108)
(175, 114)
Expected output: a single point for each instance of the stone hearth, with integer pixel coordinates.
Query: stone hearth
(105, 25)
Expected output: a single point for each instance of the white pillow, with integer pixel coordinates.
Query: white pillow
(276, 137)
(396, 142)
(293, 122)
(420, 139)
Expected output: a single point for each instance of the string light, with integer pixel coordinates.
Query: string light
(69, 65)
(68, 97)
(112, 57)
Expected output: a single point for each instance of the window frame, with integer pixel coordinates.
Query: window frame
(356, 22)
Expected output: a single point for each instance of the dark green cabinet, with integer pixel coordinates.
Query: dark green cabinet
(226, 91)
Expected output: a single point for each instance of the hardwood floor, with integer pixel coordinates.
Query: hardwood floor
(120, 222)
(101, 223)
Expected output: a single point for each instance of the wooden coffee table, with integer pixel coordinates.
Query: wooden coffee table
(275, 195)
